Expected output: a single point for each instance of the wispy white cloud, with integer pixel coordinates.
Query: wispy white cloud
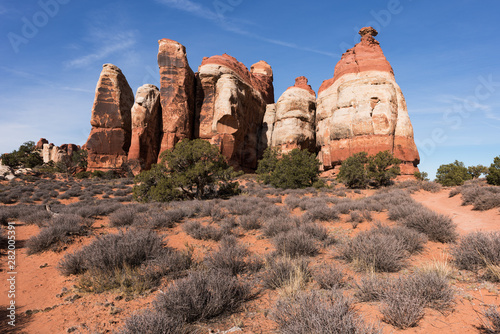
(38, 79)
(193, 8)
(106, 44)
(230, 25)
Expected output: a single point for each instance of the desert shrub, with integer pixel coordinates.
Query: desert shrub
(383, 168)
(492, 323)
(434, 289)
(229, 257)
(312, 312)
(487, 200)
(281, 271)
(476, 171)
(121, 192)
(477, 250)
(316, 231)
(481, 197)
(8, 213)
(353, 172)
(403, 301)
(371, 288)
(421, 176)
(372, 250)
(432, 187)
(295, 243)
(124, 216)
(493, 176)
(469, 193)
(163, 219)
(292, 202)
(194, 208)
(344, 207)
(249, 222)
(203, 295)
(134, 260)
(103, 208)
(437, 227)
(218, 213)
(388, 197)
(152, 322)
(413, 241)
(242, 205)
(268, 164)
(330, 277)
(26, 156)
(279, 224)
(453, 174)
(398, 212)
(360, 170)
(402, 310)
(107, 252)
(60, 231)
(196, 170)
(296, 169)
(270, 211)
(322, 213)
(198, 231)
(356, 218)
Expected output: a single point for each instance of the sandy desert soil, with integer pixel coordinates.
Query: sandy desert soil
(48, 302)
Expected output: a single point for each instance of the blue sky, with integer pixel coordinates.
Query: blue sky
(444, 56)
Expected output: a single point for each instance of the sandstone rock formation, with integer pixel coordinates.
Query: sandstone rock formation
(360, 109)
(146, 129)
(363, 109)
(177, 93)
(39, 144)
(109, 139)
(50, 152)
(231, 103)
(266, 130)
(295, 118)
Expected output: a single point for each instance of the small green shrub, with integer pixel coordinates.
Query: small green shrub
(196, 169)
(454, 174)
(26, 156)
(421, 176)
(476, 171)
(360, 170)
(494, 172)
(268, 164)
(296, 169)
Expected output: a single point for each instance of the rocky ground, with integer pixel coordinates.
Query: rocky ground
(261, 221)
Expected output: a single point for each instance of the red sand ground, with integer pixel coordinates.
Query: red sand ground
(39, 284)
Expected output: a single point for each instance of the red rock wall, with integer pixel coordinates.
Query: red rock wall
(146, 129)
(231, 102)
(109, 139)
(176, 93)
(363, 109)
